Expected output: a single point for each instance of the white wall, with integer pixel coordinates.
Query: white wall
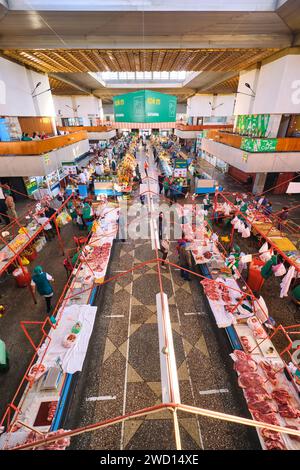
(17, 84)
(89, 107)
(277, 87)
(186, 134)
(199, 105)
(254, 162)
(227, 105)
(102, 135)
(243, 102)
(37, 165)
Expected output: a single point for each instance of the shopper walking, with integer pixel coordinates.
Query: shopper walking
(282, 218)
(164, 248)
(146, 166)
(160, 183)
(160, 225)
(268, 209)
(166, 185)
(3, 208)
(41, 281)
(48, 230)
(185, 261)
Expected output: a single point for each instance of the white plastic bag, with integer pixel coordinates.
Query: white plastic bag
(279, 270)
(234, 220)
(246, 232)
(237, 224)
(241, 227)
(266, 253)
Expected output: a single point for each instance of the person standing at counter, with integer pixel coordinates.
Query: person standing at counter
(160, 183)
(185, 261)
(82, 178)
(166, 185)
(282, 218)
(11, 207)
(41, 281)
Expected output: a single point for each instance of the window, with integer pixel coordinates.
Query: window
(156, 75)
(130, 75)
(148, 75)
(164, 75)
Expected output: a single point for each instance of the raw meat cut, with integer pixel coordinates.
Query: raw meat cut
(242, 355)
(274, 445)
(257, 394)
(269, 418)
(247, 380)
(270, 435)
(245, 366)
(295, 438)
(270, 371)
(262, 406)
(288, 411)
(281, 395)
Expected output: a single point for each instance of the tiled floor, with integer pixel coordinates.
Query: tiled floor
(123, 362)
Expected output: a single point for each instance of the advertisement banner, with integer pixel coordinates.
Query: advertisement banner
(255, 125)
(145, 106)
(258, 145)
(181, 163)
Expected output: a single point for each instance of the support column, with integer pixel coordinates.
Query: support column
(259, 183)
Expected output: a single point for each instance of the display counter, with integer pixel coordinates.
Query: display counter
(62, 353)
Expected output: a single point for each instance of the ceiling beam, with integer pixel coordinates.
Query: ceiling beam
(71, 83)
(190, 41)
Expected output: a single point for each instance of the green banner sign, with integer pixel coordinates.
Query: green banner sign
(181, 163)
(259, 145)
(145, 106)
(31, 186)
(255, 125)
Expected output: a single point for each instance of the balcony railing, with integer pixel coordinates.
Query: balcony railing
(38, 147)
(186, 127)
(256, 144)
(71, 129)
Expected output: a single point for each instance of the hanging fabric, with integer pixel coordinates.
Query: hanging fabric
(246, 232)
(241, 228)
(279, 270)
(286, 282)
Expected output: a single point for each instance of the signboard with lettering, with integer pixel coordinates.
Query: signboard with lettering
(254, 125)
(31, 186)
(181, 163)
(258, 145)
(145, 106)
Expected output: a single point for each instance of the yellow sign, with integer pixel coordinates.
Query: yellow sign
(153, 101)
(119, 103)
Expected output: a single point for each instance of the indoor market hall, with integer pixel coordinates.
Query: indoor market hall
(149, 231)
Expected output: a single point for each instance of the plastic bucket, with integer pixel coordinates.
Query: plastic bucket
(22, 277)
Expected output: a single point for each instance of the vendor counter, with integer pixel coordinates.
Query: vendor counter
(61, 356)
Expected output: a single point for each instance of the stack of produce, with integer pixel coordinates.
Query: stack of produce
(126, 169)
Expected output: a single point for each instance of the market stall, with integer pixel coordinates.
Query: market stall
(269, 395)
(62, 350)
